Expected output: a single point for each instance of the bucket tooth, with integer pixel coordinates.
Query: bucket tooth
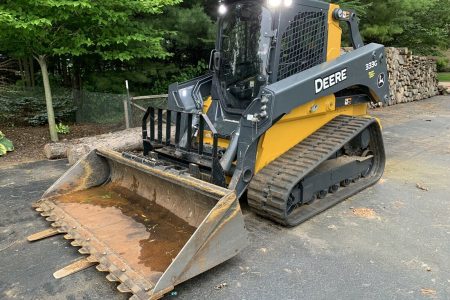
(83, 250)
(123, 288)
(101, 268)
(56, 224)
(68, 237)
(74, 267)
(76, 243)
(42, 234)
(51, 218)
(39, 209)
(112, 278)
(92, 258)
(45, 213)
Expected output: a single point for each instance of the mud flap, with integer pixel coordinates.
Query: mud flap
(151, 228)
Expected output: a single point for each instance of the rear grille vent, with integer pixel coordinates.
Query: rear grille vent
(303, 43)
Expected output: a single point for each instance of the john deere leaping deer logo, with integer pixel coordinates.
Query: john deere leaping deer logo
(380, 80)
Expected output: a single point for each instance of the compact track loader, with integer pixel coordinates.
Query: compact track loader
(280, 121)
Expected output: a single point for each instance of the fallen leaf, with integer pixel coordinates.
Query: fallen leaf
(363, 212)
(421, 187)
(428, 292)
(220, 286)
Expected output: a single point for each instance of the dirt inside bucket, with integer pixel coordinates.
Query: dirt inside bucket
(146, 235)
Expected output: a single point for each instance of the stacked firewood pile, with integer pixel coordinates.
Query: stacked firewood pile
(411, 77)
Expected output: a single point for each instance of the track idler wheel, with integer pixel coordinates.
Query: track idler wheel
(322, 194)
(366, 153)
(345, 182)
(333, 189)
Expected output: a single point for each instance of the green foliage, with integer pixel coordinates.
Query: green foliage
(62, 129)
(444, 76)
(113, 29)
(427, 31)
(5, 145)
(192, 33)
(442, 64)
(189, 38)
(152, 78)
(101, 108)
(357, 5)
(423, 26)
(28, 107)
(160, 85)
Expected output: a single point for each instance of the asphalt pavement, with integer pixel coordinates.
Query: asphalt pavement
(391, 241)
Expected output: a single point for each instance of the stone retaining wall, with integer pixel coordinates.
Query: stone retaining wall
(411, 77)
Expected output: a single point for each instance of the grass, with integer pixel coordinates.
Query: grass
(444, 76)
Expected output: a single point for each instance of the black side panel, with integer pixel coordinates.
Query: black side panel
(188, 96)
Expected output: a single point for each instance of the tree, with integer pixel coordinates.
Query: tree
(428, 31)
(190, 38)
(421, 25)
(193, 35)
(113, 29)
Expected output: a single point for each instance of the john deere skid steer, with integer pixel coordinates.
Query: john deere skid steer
(280, 121)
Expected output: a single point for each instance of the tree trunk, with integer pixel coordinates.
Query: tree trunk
(26, 67)
(76, 88)
(56, 150)
(33, 81)
(124, 140)
(48, 97)
(65, 72)
(22, 74)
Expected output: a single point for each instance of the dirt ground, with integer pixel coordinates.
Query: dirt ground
(29, 141)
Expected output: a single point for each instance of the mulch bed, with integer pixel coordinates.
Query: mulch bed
(29, 141)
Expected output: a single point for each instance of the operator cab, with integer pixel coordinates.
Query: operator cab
(241, 62)
(259, 42)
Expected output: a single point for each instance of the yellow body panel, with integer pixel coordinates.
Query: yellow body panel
(306, 119)
(334, 35)
(295, 127)
(207, 134)
(207, 104)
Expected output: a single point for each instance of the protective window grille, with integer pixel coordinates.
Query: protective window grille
(302, 44)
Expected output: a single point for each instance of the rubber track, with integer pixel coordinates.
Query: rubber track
(270, 188)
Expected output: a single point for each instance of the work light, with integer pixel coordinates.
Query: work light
(274, 3)
(222, 9)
